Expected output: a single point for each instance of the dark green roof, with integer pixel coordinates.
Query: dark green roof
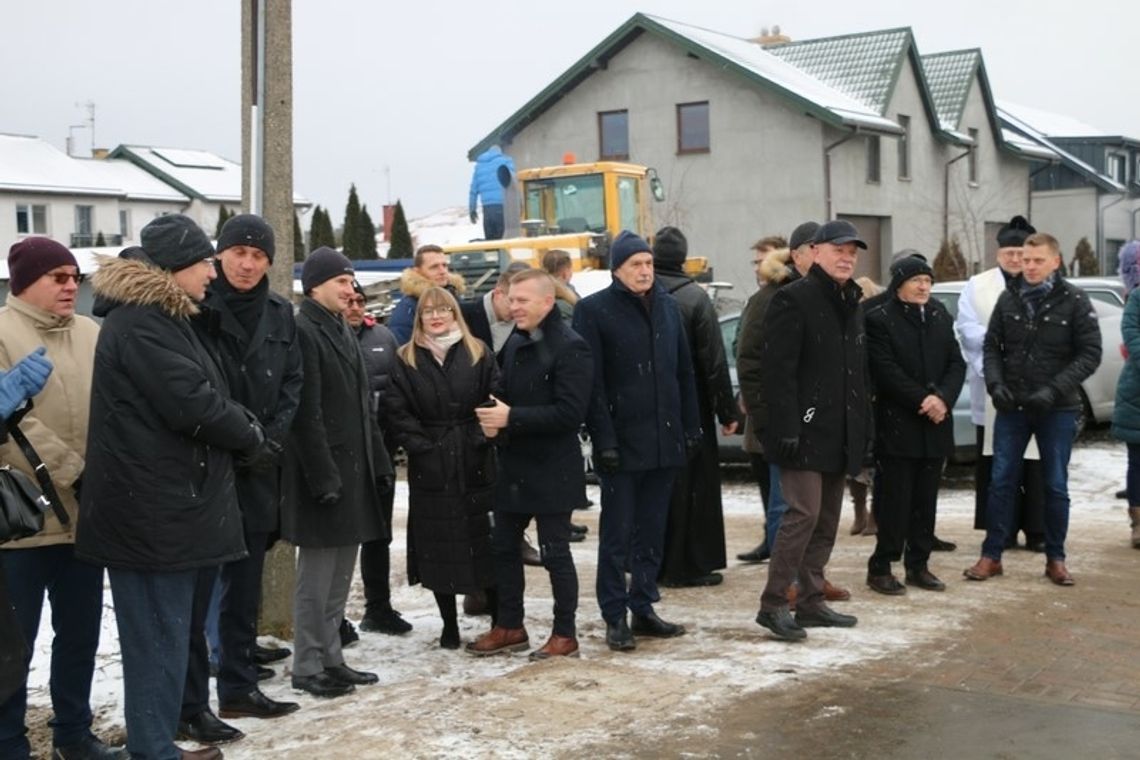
(950, 76)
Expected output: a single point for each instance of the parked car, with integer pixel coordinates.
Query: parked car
(1098, 392)
(731, 445)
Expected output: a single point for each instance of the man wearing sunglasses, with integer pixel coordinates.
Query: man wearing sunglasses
(44, 282)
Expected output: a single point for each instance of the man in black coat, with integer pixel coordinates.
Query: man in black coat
(642, 419)
(340, 467)
(251, 333)
(818, 423)
(918, 370)
(379, 347)
(159, 506)
(1043, 340)
(545, 383)
(694, 531)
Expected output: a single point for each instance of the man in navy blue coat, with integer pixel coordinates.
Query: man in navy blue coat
(643, 420)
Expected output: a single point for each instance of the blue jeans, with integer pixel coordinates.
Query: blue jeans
(153, 612)
(75, 591)
(776, 507)
(635, 506)
(1054, 431)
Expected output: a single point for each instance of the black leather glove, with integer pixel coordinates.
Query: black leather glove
(262, 458)
(608, 461)
(78, 484)
(328, 499)
(789, 447)
(1041, 400)
(474, 217)
(385, 484)
(1003, 398)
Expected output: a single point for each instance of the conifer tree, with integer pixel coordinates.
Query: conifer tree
(1085, 263)
(298, 240)
(328, 235)
(223, 216)
(100, 241)
(367, 234)
(350, 235)
(401, 244)
(949, 264)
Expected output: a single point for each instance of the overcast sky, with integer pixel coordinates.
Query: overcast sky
(404, 89)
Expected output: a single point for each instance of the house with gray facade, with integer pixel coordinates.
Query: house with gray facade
(752, 137)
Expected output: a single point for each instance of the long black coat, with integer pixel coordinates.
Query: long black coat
(546, 380)
(263, 371)
(451, 468)
(1059, 347)
(158, 489)
(913, 353)
(815, 376)
(644, 401)
(335, 444)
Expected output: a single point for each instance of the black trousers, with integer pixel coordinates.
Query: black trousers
(905, 513)
(196, 692)
(1029, 499)
(237, 620)
(375, 564)
(554, 548)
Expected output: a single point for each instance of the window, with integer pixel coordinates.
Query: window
(83, 218)
(972, 161)
(693, 127)
(628, 205)
(568, 203)
(904, 147)
(1117, 166)
(125, 223)
(31, 219)
(874, 171)
(613, 135)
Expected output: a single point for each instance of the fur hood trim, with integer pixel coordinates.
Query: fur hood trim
(130, 281)
(775, 266)
(563, 293)
(414, 284)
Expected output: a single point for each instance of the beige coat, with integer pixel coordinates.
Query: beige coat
(57, 425)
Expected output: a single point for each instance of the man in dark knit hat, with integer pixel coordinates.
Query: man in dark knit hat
(250, 330)
(694, 532)
(339, 468)
(643, 421)
(158, 505)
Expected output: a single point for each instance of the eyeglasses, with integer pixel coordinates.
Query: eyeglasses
(62, 278)
(438, 311)
(358, 301)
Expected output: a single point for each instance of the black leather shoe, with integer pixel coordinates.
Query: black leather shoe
(885, 584)
(265, 655)
(89, 748)
(1035, 542)
(345, 674)
(348, 634)
(388, 621)
(924, 579)
(264, 673)
(781, 624)
(938, 545)
(576, 538)
(619, 638)
(255, 705)
(655, 627)
(583, 529)
(708, 579)
(322, 685)
(207, 728)
(824, 617)
(530, 555)
(759, 554)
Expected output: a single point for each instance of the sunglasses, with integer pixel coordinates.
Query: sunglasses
(358, 301)
(62, 278)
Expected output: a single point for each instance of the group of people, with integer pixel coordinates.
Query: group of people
(205, 418)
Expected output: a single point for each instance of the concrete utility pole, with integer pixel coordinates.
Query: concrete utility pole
(267, 190)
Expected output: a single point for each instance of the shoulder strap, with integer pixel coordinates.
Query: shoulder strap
(43, 477)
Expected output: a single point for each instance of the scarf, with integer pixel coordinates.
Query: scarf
(246, 307)
(1033, 295)
(441, 345)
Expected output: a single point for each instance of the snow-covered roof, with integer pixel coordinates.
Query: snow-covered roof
(135, 183)
(1049, 123)
(1023, 144)
(1014, 122)
(949, 76)
(32, 165)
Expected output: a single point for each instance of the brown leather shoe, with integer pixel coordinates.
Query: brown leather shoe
(834, 593)
(984, 569)
(556, 646)
(209, 753)
(1056, 572)
(530, 555)
(499, 639)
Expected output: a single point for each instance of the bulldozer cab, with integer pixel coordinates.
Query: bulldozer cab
(601, 197)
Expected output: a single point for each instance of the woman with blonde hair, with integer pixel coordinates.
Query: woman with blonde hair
(445, 372)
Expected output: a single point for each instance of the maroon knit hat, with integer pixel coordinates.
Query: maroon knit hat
(32, 258)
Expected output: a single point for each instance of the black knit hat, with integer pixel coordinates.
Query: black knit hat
(670, 248)
(1013, 235)
(322, 265)
(247, 229)
(173, 242)
(625, 245)
(907, 267)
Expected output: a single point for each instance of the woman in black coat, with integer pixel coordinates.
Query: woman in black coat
(443, 374)
(918, 372)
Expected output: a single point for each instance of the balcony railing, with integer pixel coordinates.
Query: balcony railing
(87, 240)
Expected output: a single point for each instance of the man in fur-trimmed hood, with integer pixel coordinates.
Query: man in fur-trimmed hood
(429, 269)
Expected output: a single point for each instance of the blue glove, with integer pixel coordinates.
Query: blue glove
(23, 381)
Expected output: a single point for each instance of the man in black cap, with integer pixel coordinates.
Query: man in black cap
(817, 423)
(159, 508)
(643, 421)
(340, 467)
(251, 332)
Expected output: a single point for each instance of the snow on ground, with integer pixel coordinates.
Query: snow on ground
(431, 702)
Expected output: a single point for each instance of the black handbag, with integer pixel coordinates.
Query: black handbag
(22, 504)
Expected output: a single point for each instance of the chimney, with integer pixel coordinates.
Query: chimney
(389, 215)
(100, 153)
(771, 37)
